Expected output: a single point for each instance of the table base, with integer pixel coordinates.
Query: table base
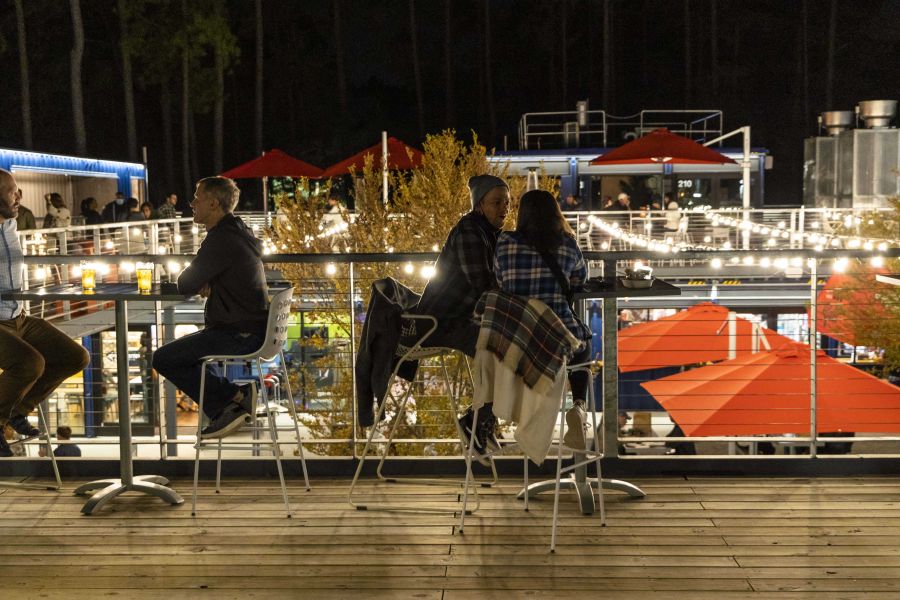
(155, 485)
(584, 486)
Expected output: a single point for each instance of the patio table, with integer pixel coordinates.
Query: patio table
(608, 288)
(120, 294)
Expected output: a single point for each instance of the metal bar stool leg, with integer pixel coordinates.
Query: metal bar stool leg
(197, 443)
(293, 408)
(273, 433)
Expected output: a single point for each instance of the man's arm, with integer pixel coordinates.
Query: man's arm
(209, 262)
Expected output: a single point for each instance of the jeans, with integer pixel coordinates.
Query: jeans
(578, 381)
(180, 362)
(35, 358)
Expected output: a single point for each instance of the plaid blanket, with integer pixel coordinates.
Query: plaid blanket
(526, 336)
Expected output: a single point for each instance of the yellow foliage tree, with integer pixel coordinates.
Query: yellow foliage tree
(425, 204)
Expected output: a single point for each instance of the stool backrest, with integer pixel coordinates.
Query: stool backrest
(277, 325)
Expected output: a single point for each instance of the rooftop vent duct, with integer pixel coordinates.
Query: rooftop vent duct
(836, 121)
(877, 113)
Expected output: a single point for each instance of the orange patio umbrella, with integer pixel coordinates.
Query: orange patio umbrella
(705, 332)
(769, 393)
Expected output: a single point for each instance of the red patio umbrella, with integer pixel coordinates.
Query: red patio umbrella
(400, 156)
(769, 393)
(702, 333)
(662, 146)
(273, 163)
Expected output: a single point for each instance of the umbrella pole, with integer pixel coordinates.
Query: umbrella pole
(384, 167)
(265, 195)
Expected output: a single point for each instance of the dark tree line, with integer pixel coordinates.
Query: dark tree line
(207, 84)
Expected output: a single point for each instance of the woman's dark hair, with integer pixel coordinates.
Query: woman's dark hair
(86, 204)
(541, 222)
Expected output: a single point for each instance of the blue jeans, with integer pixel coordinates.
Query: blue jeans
(180, 362)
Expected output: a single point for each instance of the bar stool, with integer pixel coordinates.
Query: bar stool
(271, 349)
(580, 458)
(44, 426)
(419, 352)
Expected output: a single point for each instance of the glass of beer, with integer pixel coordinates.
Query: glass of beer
(144, 272)
(88, 277)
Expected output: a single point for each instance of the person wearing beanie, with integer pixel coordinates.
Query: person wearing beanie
(465, 267)
(463, 272)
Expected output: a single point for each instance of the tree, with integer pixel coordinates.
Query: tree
(417, 68)
(339, 58)
(127, 81)
(832, 42)
(488, 78)
(76, 57)
(427, 202)
(258, 112)
(448, 63)
(23, 75)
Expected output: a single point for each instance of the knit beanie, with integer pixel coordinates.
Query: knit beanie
(479, 185)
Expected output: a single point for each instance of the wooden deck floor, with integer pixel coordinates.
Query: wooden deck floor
(696, 538)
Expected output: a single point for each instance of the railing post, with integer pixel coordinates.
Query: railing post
(813, 347)
(610, 368)
(353, 410)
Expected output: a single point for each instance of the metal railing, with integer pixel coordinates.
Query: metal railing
(599, 129)
(329, 306)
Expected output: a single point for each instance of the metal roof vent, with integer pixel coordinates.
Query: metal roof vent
(877, 113)
(836, 121)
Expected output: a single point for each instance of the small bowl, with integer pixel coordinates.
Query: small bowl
(637, 284)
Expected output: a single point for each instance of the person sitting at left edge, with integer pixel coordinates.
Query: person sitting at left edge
(35, 356)
(228, 271)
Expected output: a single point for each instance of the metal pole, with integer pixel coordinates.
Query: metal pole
(813, 338)
(170, 410)
(384, 167)
(610, 368)
(353, 357)
(745, 166)
(123, 393)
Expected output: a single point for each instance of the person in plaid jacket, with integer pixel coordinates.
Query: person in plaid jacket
(521, 269)
(463, 272)
(465, 268)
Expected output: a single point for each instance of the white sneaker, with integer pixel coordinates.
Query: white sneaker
(575, 428)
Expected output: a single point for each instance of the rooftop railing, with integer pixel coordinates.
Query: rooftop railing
(779, 289)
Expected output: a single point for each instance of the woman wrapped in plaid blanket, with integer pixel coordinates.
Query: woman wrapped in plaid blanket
(523, 267)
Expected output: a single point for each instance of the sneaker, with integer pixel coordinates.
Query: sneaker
(478, 447)
(5, 450)
(575, 428)
(487, 432)
(23, 426)
(232, 418)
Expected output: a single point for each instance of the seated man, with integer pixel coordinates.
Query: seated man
(228, 271)
(35, 356)
(463, 272)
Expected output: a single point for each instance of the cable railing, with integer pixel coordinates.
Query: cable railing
(763, 304)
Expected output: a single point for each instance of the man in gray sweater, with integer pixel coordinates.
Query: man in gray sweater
(227, 271)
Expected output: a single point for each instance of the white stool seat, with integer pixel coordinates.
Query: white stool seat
(266, 408)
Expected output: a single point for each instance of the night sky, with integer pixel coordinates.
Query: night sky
(544, 55)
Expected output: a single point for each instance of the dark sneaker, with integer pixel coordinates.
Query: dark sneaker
(478, 446)
(23, 426)
(487, 432)
(5, 450)
(232, 418)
